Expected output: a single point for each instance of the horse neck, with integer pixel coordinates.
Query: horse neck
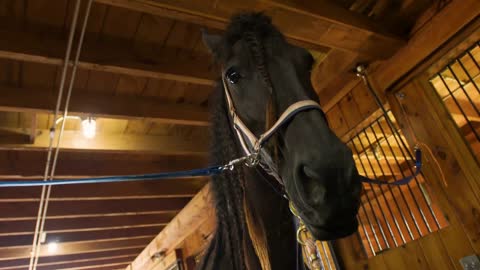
(234, 192)
(269, 223)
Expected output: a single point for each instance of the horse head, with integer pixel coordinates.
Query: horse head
(264, 75)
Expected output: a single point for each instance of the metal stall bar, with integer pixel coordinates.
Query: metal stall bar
(462, 87)
(403, 175)
(367, 236)
(369, 202)
(368, 219)
(405, 221)
(405, 152)
(467, 72)
(460, 108)
(381, 190)
(378, 140)
(390, 188)
(408, 186)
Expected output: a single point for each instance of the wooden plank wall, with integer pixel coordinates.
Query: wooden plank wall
(458, 196)
(451, 172)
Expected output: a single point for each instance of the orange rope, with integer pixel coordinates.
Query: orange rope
(419, 143)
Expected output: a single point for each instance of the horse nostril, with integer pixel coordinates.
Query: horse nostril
(308, 172)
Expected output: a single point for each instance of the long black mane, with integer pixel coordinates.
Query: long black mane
(231, 243)
(228, 190)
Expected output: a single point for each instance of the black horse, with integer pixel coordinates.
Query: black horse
(255, 229)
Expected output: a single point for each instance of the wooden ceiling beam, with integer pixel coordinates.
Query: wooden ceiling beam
(110, 266)
(317, 25)
(61, 259)
(168, 188)
(105, 261)
(91, 215)
(73, 208)
(74, 140)
(321, 21)
(85, 231)
(431, 36)
(74, 248)
(19, 227)
(74, 164)
(80, 236)
(123, 259)
(132, 108)
(106, 55)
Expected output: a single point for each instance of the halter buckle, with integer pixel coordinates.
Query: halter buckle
(252, 160)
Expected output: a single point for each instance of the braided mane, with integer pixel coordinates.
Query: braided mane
(228, 245)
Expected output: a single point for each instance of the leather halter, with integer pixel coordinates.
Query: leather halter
(251, 145)
(255, 155)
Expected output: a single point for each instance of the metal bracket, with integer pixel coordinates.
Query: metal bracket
(471, 262)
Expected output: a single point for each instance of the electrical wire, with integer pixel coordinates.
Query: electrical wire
(36, 240)
(65, 116)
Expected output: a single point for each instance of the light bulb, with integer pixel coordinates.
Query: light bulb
(89, 127)
(52, 247)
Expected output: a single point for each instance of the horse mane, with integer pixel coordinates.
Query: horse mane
(228, 188)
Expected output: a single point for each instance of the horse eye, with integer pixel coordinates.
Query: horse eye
(233, 76)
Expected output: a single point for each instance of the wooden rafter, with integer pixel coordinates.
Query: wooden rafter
(60, 261)
(72, 208)
(22, 227)
(427, 39)
(320, 24)
(168, 188)
(114, 233)
(41, 101)
(111, 261)
(74, 140)
(109, 56)
(19, 227)
(75, 248)
(19, 164)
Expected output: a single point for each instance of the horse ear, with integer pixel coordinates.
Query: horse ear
(213, 42)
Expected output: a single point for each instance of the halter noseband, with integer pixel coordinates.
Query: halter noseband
(251, 145)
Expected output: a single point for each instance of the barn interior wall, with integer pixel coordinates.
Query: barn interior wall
(451, 169)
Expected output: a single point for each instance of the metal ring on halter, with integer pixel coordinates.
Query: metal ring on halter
(252, 159)
(300, 230)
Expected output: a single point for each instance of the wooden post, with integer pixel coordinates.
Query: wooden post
(449, 166)
(198, 213)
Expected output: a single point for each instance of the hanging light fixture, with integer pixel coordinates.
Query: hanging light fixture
(89, 127)
(52, 247)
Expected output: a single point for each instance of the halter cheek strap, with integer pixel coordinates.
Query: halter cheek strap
(252, 145)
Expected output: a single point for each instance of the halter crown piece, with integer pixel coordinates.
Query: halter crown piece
(255, 155)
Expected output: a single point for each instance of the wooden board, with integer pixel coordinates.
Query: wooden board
(107, 56)
(324, 25)
(420, 46)
(18, 164)
(198, 211)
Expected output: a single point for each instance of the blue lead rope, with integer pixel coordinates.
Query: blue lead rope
(403, 181)
(126, 178)
(213, 170)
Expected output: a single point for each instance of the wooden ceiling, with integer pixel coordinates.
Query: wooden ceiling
(145, 76)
